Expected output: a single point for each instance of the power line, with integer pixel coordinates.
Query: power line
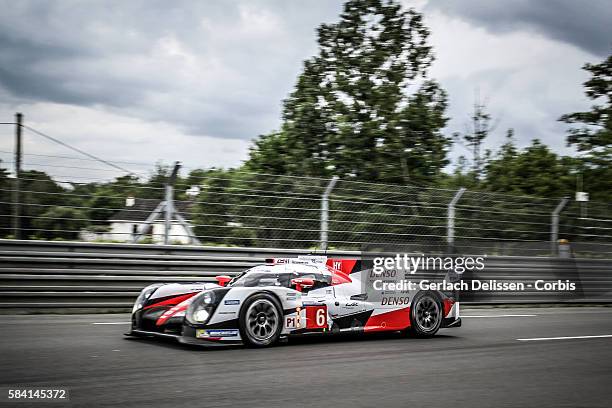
(76, 149)
(53, 156)
(66, 167)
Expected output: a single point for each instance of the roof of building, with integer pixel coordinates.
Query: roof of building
(143, 207)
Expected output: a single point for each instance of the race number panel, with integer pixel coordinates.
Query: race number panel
(316, 317)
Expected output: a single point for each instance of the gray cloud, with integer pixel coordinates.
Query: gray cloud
(213, 74)
(215, 68)
(587, 25)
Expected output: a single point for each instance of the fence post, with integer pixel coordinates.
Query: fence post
(325, 211)
(148, 224)
(450, 220)
(554, 226)
(169, 208)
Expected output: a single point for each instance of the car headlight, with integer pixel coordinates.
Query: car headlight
(142, 298)
(201, 308)
(201, 315)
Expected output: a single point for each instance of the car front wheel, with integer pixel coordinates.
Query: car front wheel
(260, 321)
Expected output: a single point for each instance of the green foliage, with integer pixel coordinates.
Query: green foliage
(193, 179)
(157, 180)
(210, 215)
(60, 222)
(350, 113)
(417, 152)
(105, 198)
(38, 193)
(462, 176)
(480, 129)
(243, 209)
(596, 130)
(271, 152)
(534, 171)
(594, 136)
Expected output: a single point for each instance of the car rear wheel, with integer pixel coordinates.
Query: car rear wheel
(425, 314)
(260, 321)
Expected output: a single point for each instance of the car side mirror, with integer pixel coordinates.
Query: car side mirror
(302, 283)
(222, 280)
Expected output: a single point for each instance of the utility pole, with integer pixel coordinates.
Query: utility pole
(17, 188)
(169, 207)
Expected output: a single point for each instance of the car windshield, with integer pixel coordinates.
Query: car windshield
(250, 279)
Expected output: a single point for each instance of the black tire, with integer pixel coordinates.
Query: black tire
(261, 320)
(425, 314)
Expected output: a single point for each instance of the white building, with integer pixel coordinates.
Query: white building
(127, 224)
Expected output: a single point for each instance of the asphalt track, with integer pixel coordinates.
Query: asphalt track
(481, 364)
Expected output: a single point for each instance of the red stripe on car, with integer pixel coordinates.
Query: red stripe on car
(394, 320)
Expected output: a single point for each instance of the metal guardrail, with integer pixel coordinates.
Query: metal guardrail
(48, 275)
(55, 275)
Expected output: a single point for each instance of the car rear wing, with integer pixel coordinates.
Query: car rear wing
(302, 259)
(345, 266)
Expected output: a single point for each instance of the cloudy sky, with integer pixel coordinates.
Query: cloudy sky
(146, 81)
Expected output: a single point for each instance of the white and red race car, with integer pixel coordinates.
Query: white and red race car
(282, 298)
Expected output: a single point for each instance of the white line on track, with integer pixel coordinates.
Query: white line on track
(111, 323)
(504, 315)
(567, 337)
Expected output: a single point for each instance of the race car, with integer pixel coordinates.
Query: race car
(286, 297)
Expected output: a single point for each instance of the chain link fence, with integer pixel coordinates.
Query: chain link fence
(259, 210)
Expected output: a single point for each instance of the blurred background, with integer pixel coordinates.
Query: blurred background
(330, 127)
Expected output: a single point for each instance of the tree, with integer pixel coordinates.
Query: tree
(501, 168)
(419, 147)
(350, 112)
(534, 171)
(594, 136)
(462, 176)
(212, 213)
(480, 129)
(156, 183)
(39, 192)
(596, 133)
(194, 179)
(60, 222)
(108, 198)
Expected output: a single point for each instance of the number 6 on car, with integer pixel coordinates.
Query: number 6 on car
(316, 317)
